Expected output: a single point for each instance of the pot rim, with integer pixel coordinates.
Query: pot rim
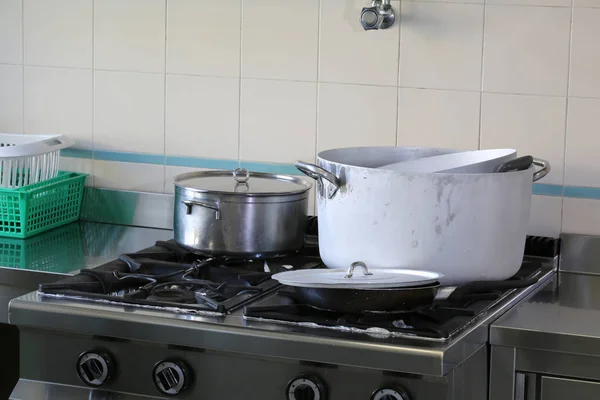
(303, 184)
(320, 159)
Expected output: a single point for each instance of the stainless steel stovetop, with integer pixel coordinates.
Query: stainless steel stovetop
(232, 340)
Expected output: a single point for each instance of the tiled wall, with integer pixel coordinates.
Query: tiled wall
(268, 82)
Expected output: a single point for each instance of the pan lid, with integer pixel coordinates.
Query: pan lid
(381, 278)
(241, 182)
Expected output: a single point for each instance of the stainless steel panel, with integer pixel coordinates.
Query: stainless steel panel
(35, 390)
(520, 386)
(565, 318)
(128, 208)
(559, 389)
(555, 363)
(470, 379)
(502, 373)
(51, 357)
(580, 253)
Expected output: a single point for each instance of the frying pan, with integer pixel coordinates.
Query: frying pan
(359, 300)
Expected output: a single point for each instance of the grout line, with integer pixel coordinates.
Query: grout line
(318, 92)
(239, 135)
(93, 91)
(22, 66)
(165, 101)
(481, 74)
(564, 172)
(492, 4)
(399, 22)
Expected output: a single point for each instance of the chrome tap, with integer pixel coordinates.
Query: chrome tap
(379, 16)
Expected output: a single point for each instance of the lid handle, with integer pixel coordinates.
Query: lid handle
(241, 175)
(357, 264)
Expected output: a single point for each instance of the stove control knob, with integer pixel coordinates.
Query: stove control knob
(306, 388)
(390, 394)
(170, 377)
(94, 368)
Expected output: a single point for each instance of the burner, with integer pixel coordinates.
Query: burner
(178, 296)
(169, 275)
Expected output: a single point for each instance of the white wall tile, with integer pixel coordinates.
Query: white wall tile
(11, 48)
(129, 35)
(202, 116)
(545, 216)
(81, 165)
(586, 3)
(531, 124)
(129, 176)
(354, 115)
(129, 112)
(438, 118)
(441, 45)
(11, 99)
(585, 53)
(291, 52)
(59, 101)
(583, 143)
(277, 120)
(548, 3)
(348, 54)
(203, 37)
(58, 33)
(172, 171)
(526, 50)
(581, 216)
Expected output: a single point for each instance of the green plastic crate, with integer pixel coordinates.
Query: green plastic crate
(32, 209)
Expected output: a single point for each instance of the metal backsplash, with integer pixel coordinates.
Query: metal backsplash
(151, 210)
(580, 253)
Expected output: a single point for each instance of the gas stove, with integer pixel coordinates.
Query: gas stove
(166, 322)
(167, 276)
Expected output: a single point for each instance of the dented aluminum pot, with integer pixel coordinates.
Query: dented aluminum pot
(239, 213)
(468, 227)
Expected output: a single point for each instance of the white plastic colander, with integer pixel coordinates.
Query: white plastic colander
(27, 159)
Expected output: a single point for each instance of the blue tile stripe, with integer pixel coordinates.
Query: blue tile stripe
(543, 189)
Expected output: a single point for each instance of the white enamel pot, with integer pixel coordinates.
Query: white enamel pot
(468, 227)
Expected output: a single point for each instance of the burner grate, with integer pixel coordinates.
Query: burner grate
(168, 275)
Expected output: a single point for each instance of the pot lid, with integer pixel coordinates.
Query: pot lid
(364, 278)
(241, 182)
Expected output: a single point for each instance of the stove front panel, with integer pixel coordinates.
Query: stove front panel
(135, 367)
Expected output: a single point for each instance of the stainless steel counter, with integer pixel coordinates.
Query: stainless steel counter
(47, 257)
(562, 317)
(549, 345)
(565, 315)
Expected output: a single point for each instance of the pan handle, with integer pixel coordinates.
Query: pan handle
(543, 171)
(318, 173)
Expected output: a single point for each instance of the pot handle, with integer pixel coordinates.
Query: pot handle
(318, 173)
(191, 203)
(543, 171)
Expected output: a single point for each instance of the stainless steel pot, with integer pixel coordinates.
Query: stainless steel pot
(468, 227)
(240, 213)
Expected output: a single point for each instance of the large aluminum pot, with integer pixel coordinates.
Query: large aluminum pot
(240, 213)
(465, 226)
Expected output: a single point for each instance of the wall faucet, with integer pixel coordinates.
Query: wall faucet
(379, 16)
